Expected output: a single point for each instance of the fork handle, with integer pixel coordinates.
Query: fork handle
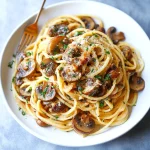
(38, 15)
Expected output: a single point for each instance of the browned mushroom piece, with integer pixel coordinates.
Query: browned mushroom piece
(136, 83)
(91, 87)
(19, 57)
(127, 52)
(115, 36)
(83, 123)
(48, 66)
(113, 71)
(45, 91)
(55, 106)
(58, 29)
(89, 22)
(99, 28)
(59, 108)
(24, 92)
(41, 123)
(26, 67)
(58, 45)
(69, 73)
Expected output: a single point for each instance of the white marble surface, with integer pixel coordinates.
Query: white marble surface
(12, 135)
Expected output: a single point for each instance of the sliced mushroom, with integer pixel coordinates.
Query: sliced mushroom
(99, 28)
(69, 73)
(19, 57)
(83, 123)
(89, 22)
(137, 83)
(58, 45)
(24, 92)
(91, 87)
(48, 66)
(55, 106)
(46, 91)
(115, 37)
(41, 123)
(127, 52)
(59, 108)
(113, 71)
(26, 67)
(59, 29)
(18, 80)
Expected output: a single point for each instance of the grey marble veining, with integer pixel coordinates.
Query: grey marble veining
(12, 135)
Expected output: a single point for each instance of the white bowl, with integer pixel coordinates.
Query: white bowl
(111, 17)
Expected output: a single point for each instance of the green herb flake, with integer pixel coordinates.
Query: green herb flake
(86, 48)
(73, 75)
(23, 113)
(29, 53)
(13, 79)
(44, 91)
(56, 117)
(46, 78)
(61, 68)
(10, 64)
(92, 70)
(94, 59)
(98, 77)
(107, 77)
(19, 108)
(65, 46)
(14, 55)
(80, 89)
(78, 33)
(30, 89)
(107, 51)
(101, 104)
(52, 58)
(94, 34)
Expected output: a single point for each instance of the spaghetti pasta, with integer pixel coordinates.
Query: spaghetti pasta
(75, 76)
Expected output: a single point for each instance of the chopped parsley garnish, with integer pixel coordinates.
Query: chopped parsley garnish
(80, 89)
(65, 46)
(86, 48)
(29, 53)
(46, 78)
(92, 70)
(69, 97)
(43, 93)
(13, 79)
(107, 52)
(74, 75)
(78, 33)
(19, 108)
(52, 58)
(30, 89)
(101, 104)
(23, 113)
(28, 64)
(94, 59)
(14, 55)
(43, 64)
(94, 34)
(10, 64)
(107, 77)
(61, 68)
(56, 117)
(56, 50)
(98, 77)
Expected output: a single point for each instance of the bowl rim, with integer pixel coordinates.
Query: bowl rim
(4, 100)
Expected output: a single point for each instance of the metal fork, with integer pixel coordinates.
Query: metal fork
(30, 32)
